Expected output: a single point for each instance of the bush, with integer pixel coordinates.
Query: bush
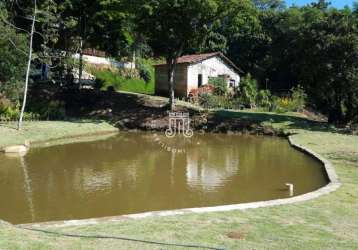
(282, 104)
(11, 112)
(263, 99)
(48, 109)
(207, 100)
(8, 111)
(299, 97)
(55, 110)
(220, 85)
(295, 103)
(98, 84)
(210, 101)
(144, 72)
(248, 91)
(5, 104)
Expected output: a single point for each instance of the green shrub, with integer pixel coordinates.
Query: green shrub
(248, 91)
(211, 101)
(10, 112)
(207, 100)
(295, 103)
(282, 104)
(263, 99)
(145, 71)
(55, 110)
(48, 109)
(5, 104)
(299, 97)
(220, 85)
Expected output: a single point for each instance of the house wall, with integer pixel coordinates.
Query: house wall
(105, 61)
(161, 80)
(212, 67)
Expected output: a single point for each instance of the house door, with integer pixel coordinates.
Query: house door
(200, 80)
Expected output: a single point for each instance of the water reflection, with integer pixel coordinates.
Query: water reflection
(27, 186)
(130, 173)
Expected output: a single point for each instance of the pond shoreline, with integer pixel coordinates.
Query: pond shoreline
(201, 123)
(44, 133)
(340, 149)
(333, 185)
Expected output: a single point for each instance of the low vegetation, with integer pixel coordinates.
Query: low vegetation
(248, 96)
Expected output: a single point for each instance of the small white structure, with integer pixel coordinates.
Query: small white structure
(98, 57)
(194, 71)
(97, 60)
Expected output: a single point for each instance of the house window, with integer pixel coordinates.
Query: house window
(200, 80)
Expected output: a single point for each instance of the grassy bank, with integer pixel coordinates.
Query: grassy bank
(329, 222)
(121, 83)
(45, 131)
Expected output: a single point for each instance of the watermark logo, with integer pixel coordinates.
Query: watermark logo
(179, 123)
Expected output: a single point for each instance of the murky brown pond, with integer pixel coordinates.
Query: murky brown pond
(133, 173)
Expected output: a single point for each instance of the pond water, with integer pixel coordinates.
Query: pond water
(139, 172)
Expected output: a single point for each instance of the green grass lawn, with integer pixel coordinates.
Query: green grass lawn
(329, 222)
(285, 121)
(50, 130)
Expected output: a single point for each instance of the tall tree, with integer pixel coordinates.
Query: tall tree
(13, 53)
(97, 24)
(328, 63)
(173, 27)
(269, 4)
(19, 126)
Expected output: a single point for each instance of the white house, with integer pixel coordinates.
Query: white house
(194, 71)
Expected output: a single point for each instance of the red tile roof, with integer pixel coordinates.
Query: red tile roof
(196, 58)
(192, 59)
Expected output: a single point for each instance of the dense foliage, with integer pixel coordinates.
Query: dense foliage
(313, 46)
(313, 49)
(12, 64)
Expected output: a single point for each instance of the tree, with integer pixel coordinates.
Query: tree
(97, 24)
(19, 126)
(248, 91)
(12, 54)
(173, 27)
(328, 63)
(32, 18)
(269, 4)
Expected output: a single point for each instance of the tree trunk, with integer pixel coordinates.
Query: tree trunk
(80, 70)
(171, 79)
(133, 66)
(19, 125)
